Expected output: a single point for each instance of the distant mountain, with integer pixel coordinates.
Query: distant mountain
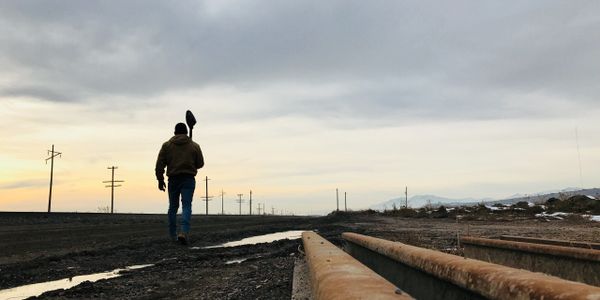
(422, 200)
(543, 196)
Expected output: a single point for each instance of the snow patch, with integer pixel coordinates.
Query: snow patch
(556, 215)
(497, 207)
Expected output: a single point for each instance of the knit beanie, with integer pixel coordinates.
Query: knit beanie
(180, 128)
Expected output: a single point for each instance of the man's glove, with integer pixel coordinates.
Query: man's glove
(161, 185)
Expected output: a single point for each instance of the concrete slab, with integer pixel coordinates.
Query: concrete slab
(301, 282)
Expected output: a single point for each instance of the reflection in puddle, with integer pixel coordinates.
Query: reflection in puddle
(266, 238)
(37, 289)
(235, 261)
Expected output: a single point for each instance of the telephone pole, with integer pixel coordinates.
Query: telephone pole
(240, 202)
(222, 207)
(579, 157)
(258, 209)
(112, 187)
(52, 154)
(250, 202)
(272, 210)
(337, 200)
(406, 197)
(206, 197)
(345, 204)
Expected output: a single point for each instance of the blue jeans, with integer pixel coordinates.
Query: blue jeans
(184, 186)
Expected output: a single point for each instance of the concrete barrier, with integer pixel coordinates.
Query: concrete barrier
(483, 279)
(334, 274)
(570, 263)
(577, 244)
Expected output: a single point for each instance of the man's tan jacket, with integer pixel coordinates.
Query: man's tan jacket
(180, 155)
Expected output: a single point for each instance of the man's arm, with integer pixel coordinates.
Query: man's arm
(161, 163)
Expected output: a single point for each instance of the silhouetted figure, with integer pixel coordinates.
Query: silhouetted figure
(183, 158)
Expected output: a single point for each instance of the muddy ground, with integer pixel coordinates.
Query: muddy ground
(36, 247)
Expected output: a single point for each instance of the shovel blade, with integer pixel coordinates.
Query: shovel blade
(190, 119)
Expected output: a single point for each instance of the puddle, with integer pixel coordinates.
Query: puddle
(266, 238)
(36, 289)
(235, 261)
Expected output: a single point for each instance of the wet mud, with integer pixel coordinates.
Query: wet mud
(37, 248)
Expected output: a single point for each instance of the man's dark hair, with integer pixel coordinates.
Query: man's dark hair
(180, 128)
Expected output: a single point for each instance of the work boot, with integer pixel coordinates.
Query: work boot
(182, 238)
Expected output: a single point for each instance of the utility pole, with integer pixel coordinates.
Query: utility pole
(258, 209)
(337, 200)
(112, 187)
(345, 204)
(222, 207)
(240, 202)
(52, 154)
(272, 210)
(206, 197)
(250, 202)
(579, 157)
(406, 197)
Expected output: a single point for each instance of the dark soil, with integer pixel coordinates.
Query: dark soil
(40, 247)
(36, 247)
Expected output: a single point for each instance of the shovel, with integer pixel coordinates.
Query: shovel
(190, 120)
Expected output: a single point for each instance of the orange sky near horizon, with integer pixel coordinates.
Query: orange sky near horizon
(298, 173)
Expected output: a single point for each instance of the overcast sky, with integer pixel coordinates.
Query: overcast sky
(297, 98)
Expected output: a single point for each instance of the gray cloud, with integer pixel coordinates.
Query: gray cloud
(461, 59)
(39, 92)
(23, 184)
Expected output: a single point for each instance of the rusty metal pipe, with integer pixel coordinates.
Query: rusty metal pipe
(578, 244)
(577, 253)
(335, 274)
(570, 263)
(486, 279)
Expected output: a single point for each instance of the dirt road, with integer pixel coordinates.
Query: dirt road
(36, 247)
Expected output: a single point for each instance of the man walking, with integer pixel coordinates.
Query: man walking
(182, 157)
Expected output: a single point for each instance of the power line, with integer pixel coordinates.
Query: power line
(406, 197)
(112, 187)
(206, 197)
(250, 208)
(579, 157)
(337, 200)
(240, 202)
(52, 154)
(345, 204)
(222, 207)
